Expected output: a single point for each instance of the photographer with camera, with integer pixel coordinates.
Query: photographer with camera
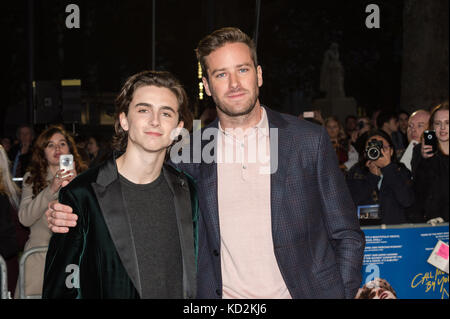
(378, 179)
(430, 168)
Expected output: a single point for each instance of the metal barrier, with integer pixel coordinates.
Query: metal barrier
(23, 258)
(3, 279)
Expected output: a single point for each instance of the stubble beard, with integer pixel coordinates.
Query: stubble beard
(249, 108)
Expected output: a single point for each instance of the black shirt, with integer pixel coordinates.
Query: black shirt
(154, 226)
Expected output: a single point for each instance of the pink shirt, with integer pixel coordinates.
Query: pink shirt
(249, 267)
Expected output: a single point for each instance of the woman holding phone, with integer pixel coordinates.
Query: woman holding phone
(431, 171)
(41, 185)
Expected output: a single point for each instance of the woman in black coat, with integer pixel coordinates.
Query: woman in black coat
(384, 181)
(431, 171)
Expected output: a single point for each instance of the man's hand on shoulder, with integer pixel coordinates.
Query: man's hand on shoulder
(60, 217)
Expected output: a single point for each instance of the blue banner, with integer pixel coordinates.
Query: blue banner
(399, 255)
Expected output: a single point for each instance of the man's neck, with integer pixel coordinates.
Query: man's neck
(244, 121)
(24, 148)
(139, 166)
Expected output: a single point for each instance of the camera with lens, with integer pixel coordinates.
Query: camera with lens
(373, 149)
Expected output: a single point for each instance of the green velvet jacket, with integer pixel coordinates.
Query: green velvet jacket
(101, 247)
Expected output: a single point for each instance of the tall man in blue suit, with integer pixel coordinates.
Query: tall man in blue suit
(289, 230)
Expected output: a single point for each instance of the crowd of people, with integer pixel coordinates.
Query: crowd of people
(408, 182)
(386, 161)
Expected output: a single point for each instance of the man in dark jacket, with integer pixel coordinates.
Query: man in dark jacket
(135, 236)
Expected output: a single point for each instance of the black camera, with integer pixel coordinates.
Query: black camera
(373, 149)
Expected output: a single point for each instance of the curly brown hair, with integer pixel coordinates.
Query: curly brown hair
(161, 79)
(39, 166)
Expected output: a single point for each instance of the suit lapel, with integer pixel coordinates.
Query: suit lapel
(209, 194)
(208, 181)
(183, 209)
(110, 198)
(279, 151)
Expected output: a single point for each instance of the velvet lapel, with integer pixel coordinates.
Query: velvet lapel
(110, 198)
(183, 209)
(279, 147)
(208, 186)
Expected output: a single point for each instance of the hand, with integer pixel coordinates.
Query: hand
(425, 149)
(60, 217)
(374, 169)
(318, 116)
(61, 179)
(384, 160)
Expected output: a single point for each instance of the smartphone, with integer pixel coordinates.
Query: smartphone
(66, 162)
(429, 138)
(308, 115)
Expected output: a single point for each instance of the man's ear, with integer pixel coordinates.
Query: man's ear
(123, 120)
(176, 132)
(259, 75)
(206, 86)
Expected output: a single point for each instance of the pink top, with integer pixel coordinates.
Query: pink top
(249, 267)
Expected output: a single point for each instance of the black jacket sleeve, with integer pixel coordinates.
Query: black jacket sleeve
(63, 259)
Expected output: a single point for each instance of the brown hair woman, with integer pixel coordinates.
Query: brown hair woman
(41, 185)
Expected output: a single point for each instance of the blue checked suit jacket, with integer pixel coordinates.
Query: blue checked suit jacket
(317, 239)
